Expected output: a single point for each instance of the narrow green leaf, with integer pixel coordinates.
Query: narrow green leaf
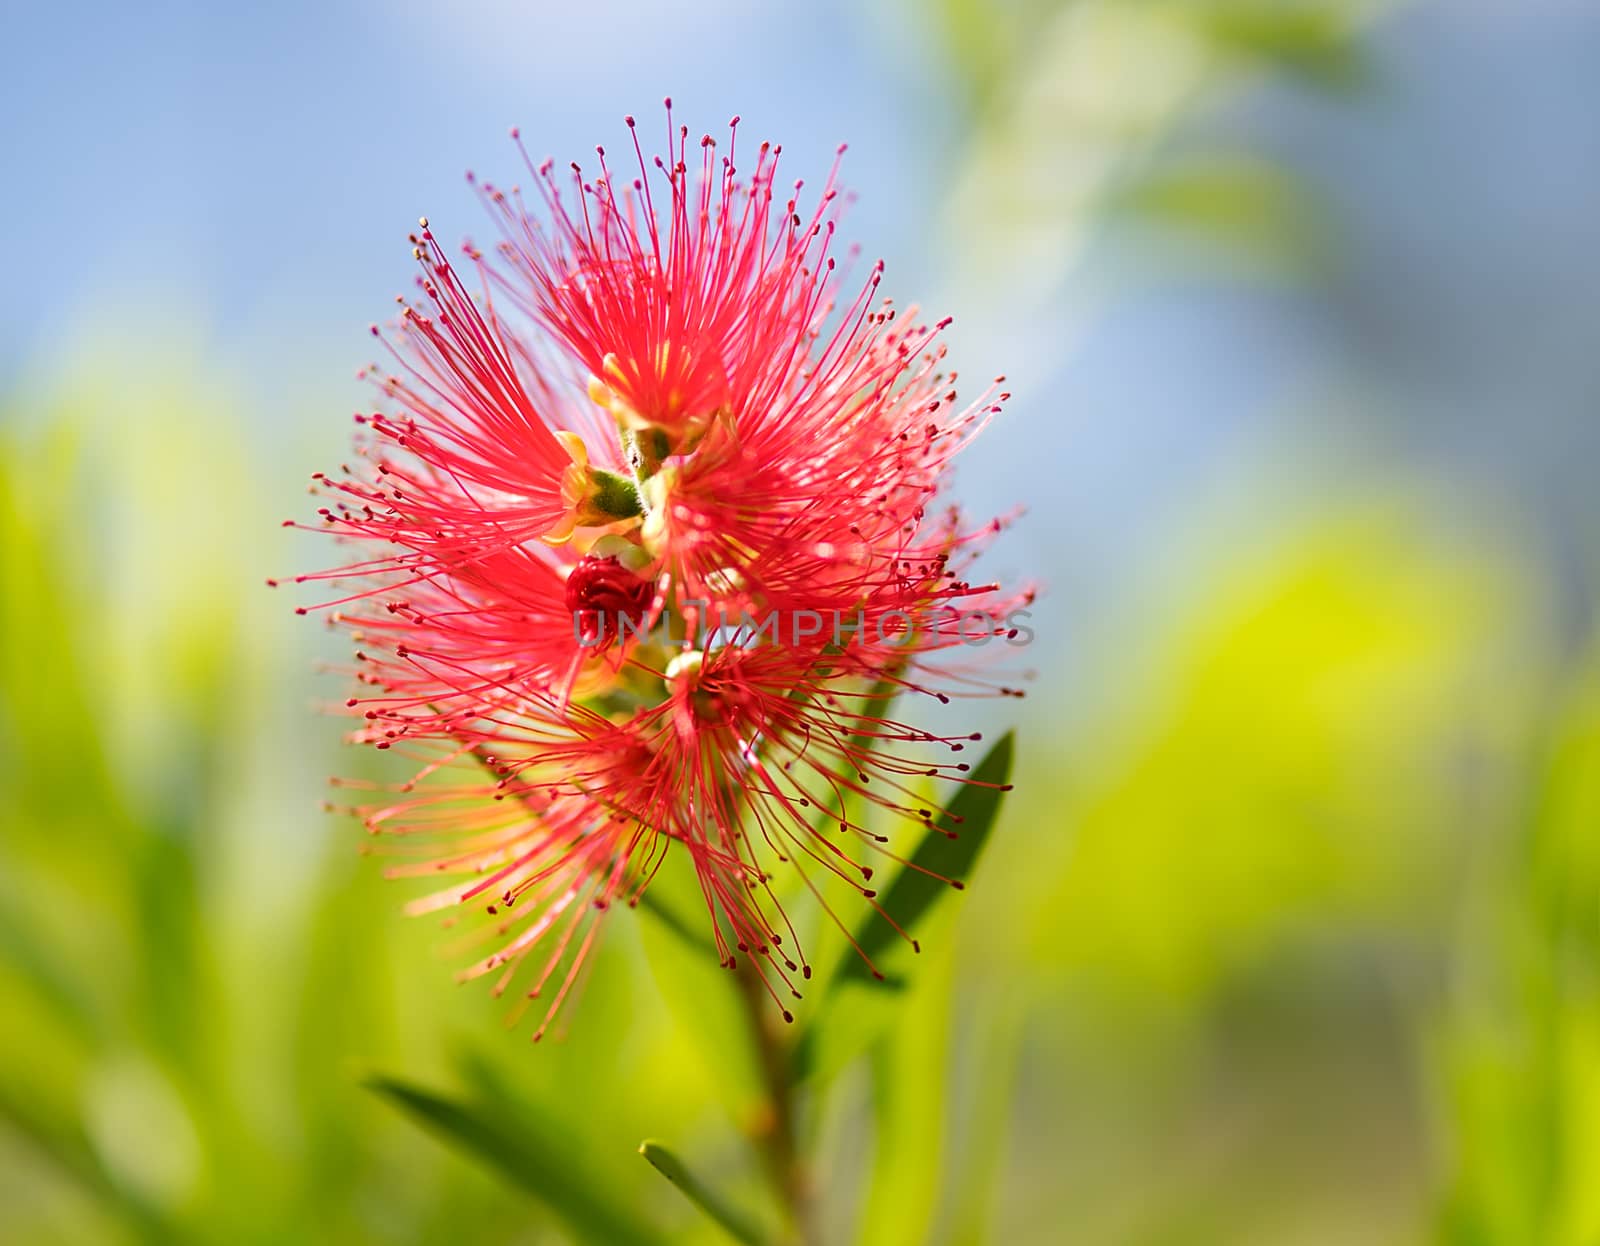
(857, 1007)
(733, 1222)
(901, 1200)
(37, 963)
(62, 1141)
(526, 1154)
(663, 912)
(913, 892)
(882, 696)
(701, 995)
(878, 699)
(1252, 207)
(1315, 42)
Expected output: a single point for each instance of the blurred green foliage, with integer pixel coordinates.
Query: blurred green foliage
(1315, 710)
(1297, 898)
(1518, 1054)
(196, 973)
(202, 985)
(1089, 116)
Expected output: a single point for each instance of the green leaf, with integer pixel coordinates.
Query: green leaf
(527, 1154)
(62, 1141)
(882, 696)
(733, 1222)
(913, 892)
(38, 963)
(877, 701)
(904, 1198)
(662, 912)
(857, 1006)
(1249, 205)
(1317, 43)
(981, 1150)
(701, 995)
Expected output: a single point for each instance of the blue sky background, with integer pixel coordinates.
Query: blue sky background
(233, 185)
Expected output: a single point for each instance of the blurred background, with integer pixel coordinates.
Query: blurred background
(1291, 933)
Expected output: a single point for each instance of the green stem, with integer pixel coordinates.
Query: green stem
(778, 1135)
(645, 450)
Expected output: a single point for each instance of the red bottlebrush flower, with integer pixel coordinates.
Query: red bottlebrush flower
(680, 313)
(656, 414)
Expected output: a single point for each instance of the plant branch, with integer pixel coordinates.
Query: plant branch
(778, 1133)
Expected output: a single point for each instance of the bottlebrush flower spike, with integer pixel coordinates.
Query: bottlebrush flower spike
(647, 532)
